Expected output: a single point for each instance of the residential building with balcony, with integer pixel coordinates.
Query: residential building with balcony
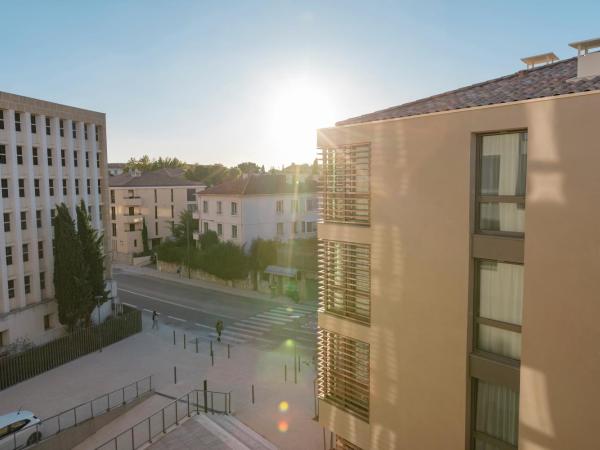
(259, 206)
(49, 154)
(459, 258)
(157, 197)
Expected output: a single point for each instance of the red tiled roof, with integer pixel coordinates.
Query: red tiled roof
(544, 81)
(161, 177)
(258, 185)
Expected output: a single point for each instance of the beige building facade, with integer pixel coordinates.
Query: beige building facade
(156, 197)
(49, 154)
(459, 301)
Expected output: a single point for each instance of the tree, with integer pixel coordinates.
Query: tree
(226, 260)
(145, 237)
(92, 249)
(73, 292)
(263, 253)
(208, 239)
(250, 167)
(145, 164)
(183, 231)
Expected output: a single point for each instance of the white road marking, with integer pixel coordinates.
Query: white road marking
(149, 310)
(176, 304)
(264, 321)
(277, 316)
(252, 326)
(252, 332)
(204, 326)
(177, 318)
(274, 319)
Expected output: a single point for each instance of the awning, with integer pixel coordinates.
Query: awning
(289, 272)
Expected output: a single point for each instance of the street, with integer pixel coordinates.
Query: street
(265, 323)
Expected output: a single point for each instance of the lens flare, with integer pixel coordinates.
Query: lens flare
(289, 342)
(289, 309)
(282, 426)
(283, 406)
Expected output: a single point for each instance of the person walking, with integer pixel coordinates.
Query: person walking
(154, 320)
(219, 327)
(179, 271)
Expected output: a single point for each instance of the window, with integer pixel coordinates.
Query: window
(75, 162)
(279, 206)
(4, 185)
(49, 154)
(23, 220)
(344, 373)
(48, 126)
(63, 160)
(88, 183)
(41, 249)
(132, 227)
(17, 121)
(171, 195)
(311, 227)
(131, 211)
(6, 222)
(155, 196)
(172, 211)
(304, 227)
(113, 213)
(502, 169)
(33, 126)
(38, 218)
(1, 119)
(496, 412)
(114, 229)
(76, 186)
(42, 280)
(156, 212)
(74, 129)
(205, 225)
(294, 204)
(345, 277)
(61, 126)
(11, 288)
(97, 133)
(205, 206)
(27, 282)
(97, 160)
(9, 259)
(25, 252)
(156, 228)
(36, 186)
(234, 231)
(220, 229)
(87, 159)
(51, 187)
(2, 154)
(99, 186)
(191, 195)
(135, 243)
(19, 155)
(233, 208)
(64, 186)
(112, 196)
(346, 184)
(52, 215)
(219, 207)
(47, 321)
(21, 187)
(34, 153)
(85, 132)
(279, 228)
(89, 210)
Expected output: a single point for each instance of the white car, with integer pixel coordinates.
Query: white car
(19, 430)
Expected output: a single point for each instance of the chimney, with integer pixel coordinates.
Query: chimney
(544, 58)
(588, 64)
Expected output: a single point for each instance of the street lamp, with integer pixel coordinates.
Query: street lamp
(98, 299)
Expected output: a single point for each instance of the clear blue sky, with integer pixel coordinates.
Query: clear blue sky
(227, 81)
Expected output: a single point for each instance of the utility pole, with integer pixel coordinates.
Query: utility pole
(98, 298)
(187, 241)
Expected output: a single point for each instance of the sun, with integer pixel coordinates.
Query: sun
(297, 108)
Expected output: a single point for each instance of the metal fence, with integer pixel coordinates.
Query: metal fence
(32, 362)
(64, 420)
(194, 402)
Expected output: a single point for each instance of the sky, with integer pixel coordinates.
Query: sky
(229, 81)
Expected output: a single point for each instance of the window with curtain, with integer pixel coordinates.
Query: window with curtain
(499, 308)
(502, 182)
(496, 417)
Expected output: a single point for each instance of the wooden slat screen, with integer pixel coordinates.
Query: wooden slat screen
(344, 373)
(345, 279)
(343, 444)
(346, 184)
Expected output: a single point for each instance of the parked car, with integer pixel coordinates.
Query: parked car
(18, 430)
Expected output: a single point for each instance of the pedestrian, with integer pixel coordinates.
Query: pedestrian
(219, 327)
(179, 271)
(154, 320)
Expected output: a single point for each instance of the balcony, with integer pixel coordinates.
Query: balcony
(132, 201)
(133, 218)
(196, 215)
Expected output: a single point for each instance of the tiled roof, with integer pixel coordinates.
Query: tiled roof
(259, 185)
(116, 165)
(544, 81)
(161, 177)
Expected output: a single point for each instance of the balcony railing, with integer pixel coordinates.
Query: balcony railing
(129, 200)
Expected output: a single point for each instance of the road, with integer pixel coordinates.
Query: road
(267, 323)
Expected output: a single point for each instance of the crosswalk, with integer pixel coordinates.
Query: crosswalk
(255, 328)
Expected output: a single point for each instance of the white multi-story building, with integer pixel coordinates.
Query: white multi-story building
(258, 206)
(49, 154)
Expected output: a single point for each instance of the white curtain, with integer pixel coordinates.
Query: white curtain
(497, 413)
(500, 298)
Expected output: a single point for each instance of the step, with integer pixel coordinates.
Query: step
(242, 432)
(221, 433)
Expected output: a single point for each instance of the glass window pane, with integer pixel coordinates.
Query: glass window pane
(502, 217)
(499, 341)
(503, 164)
(501, 291)
(497, 412)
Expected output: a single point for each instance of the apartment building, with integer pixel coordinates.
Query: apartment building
(259, 206)
(459, 252)
(158, 197)
(116, 168)
(49, 154)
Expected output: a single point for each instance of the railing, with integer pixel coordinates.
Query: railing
(194, 402)
(72, 417)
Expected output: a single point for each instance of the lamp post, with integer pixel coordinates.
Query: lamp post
(98, 299)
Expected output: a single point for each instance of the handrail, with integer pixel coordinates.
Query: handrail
(131, 436)
(51, 426)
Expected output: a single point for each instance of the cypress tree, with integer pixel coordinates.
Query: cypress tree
(145, 237)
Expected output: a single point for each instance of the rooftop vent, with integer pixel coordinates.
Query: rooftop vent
(544, 58)
(588, 64)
